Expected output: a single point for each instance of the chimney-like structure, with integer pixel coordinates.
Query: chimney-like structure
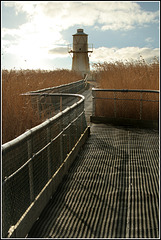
(80, 60)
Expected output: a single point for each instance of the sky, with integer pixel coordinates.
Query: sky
(36, 34)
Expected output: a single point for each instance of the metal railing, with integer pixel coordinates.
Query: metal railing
(124, 103)
(49, 105)
(30, 160)
(87, 46)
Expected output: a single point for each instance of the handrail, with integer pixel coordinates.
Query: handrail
(41, 148)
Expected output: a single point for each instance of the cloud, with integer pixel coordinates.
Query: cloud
(28, 7)
(64, 14)
(59, 51)
(122, 54)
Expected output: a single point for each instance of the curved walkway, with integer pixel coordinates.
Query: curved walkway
(111, 190)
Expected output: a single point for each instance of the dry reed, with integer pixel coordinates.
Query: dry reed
(17, 114)
(127, 75)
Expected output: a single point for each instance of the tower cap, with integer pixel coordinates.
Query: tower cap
(80, 32)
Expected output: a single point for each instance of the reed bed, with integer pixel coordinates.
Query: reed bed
(136, 75)
(17, 113)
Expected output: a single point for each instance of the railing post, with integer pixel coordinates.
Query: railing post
(30, 166)
(94, 103)
(141, 104)
(49, 152)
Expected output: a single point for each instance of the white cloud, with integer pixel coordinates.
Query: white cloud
(129, 53)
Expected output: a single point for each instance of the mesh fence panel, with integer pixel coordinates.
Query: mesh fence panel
(40, 171)
(48, 105)
(9, 165)
(15, 198)
(39, 140)
(150, 106)
(55, 155)
(55, 128)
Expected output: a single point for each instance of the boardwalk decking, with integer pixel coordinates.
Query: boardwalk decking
(111, 190)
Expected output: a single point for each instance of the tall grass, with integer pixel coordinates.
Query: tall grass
(127, 75)
(17, 114)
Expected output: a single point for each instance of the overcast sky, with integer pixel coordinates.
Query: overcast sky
(35, 34)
